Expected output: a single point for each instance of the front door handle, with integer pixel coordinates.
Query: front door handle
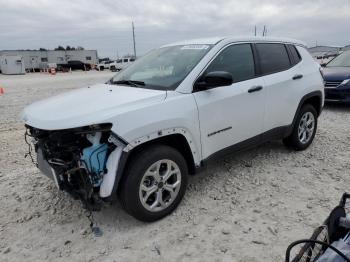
(297, 77)
(255, 89)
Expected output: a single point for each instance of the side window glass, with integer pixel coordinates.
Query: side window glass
(237, 60)
(273, 58)
(295, 54)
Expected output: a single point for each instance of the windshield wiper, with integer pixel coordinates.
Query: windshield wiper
(129, 82)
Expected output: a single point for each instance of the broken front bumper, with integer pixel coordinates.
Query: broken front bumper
(46, 169)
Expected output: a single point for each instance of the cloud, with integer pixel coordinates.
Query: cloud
(105, 25)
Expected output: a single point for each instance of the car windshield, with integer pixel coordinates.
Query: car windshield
(163, 68)
(341, 60)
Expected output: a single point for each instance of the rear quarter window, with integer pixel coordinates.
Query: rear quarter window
(273, 58)
(294, 53)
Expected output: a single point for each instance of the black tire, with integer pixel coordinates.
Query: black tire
(293, 140)
(134, 172)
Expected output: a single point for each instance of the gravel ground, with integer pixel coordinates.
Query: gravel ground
(246, 207)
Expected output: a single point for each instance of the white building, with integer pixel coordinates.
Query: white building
(35, 59)
(12, 65)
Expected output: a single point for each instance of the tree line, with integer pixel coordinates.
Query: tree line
(61, 48)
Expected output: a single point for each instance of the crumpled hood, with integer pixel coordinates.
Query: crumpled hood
(336, 73)
(86, 106)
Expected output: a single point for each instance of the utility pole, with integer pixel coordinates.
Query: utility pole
(133, 38)
(255, 31)
(263, 33)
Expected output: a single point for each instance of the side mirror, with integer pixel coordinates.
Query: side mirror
(214, 79)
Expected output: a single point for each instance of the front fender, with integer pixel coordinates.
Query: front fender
(125, 151)
(166, 132)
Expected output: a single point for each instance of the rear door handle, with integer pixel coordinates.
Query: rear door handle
(297, 77)
(255, 89)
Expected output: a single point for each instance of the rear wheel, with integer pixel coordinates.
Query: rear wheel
(304, 129)
(154, 183)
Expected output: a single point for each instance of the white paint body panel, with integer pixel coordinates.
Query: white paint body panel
(176, 111)
(283, 94)
(87, 106)
(230, 107)
(107, 184)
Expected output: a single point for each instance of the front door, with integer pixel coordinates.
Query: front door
(231, 114)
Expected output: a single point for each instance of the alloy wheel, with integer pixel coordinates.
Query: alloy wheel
(306, 127)
(160, 185)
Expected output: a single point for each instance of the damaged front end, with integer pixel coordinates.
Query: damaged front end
(82, 161)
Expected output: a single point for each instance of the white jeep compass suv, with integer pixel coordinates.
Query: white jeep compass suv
(164, 117)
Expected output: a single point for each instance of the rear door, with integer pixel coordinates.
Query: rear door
(282, 78)
(231, 114)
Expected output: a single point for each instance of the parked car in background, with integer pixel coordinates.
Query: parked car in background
(121, 64)
(323, 60)
(103, 65)
(336, 75)
(74, 65)
(170, 113)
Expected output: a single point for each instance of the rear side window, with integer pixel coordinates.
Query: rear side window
(273, 58)
(295, 56)
(237, 60)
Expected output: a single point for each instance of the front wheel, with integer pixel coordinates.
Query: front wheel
(304, 129)
(154, 183)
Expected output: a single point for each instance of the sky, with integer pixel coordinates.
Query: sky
(105, 25)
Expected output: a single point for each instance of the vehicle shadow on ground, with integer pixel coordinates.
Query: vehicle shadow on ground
(337, 107)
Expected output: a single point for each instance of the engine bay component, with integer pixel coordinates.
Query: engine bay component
(94, 158)
(76, 159)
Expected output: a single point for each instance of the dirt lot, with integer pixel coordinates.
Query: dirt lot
(246, 207)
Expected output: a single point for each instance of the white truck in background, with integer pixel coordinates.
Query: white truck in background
(121, 64)
(103, 65)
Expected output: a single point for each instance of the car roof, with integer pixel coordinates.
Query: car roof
(233, 39)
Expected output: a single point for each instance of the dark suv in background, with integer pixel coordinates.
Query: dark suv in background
(74, 65)
(336, 75)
